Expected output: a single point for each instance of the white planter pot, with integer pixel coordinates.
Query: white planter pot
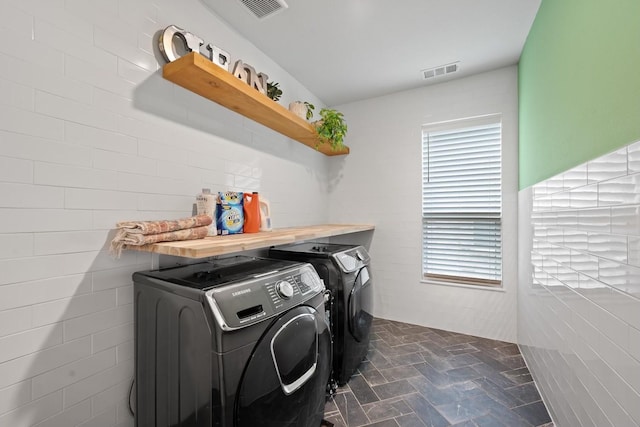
(299, 109)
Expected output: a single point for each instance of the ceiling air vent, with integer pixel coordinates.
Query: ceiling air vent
(441, 70)
(264, 8)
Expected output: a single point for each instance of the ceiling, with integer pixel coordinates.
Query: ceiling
(348, 50)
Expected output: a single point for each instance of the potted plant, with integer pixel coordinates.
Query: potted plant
(331, 128)
(310, 107)
(273, 91)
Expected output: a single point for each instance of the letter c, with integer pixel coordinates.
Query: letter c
(165, 42)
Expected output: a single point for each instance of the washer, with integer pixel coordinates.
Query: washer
(237, 342)
(345, 271)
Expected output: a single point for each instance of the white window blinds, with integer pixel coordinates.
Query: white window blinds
(461, 204)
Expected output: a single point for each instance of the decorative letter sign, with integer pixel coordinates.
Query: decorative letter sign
(248, 74)
(240, 71)
(218, 56)
(192, 43)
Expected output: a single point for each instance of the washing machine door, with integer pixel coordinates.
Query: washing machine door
(284, 382)
(360, 306)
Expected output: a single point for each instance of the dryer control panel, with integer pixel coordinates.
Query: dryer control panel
(263, 296)
(352, 259)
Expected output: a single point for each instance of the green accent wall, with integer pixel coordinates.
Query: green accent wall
(579, 85)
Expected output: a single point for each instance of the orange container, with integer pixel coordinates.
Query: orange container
(251, 212)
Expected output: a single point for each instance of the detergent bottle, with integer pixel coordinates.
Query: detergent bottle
(251, 207)
(265, 215)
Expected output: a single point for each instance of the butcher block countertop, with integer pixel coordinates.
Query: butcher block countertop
(221, 245)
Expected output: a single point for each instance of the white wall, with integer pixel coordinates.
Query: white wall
(380, 183)
(91, 134)
(579, 295)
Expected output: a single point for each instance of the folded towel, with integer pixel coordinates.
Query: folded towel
(169, 236)
(138, 233)
(155, 227)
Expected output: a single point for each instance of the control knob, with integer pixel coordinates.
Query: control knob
(284, 289)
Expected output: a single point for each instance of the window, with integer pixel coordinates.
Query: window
(461, 202)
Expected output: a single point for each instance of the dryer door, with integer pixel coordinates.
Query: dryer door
(360, 306)
(285, 379)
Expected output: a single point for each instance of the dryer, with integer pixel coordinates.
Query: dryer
(237, 342)
(345, 272)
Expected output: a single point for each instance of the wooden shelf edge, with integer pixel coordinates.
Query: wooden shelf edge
(222, 245)
(196, 73)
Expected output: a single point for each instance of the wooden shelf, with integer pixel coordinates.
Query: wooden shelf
(199, 75)
(221, 245)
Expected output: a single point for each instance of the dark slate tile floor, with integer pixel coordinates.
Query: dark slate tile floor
(417, 377)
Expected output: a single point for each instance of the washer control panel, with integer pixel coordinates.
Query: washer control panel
(241, 304)
(284, 289)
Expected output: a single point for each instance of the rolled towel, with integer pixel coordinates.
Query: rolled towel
(169, 236)
(138, 233)
(155, 227)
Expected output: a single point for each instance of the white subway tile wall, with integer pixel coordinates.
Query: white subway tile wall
(91, 134)
(579, 313)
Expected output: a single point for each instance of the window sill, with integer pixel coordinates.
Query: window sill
(461, 285)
